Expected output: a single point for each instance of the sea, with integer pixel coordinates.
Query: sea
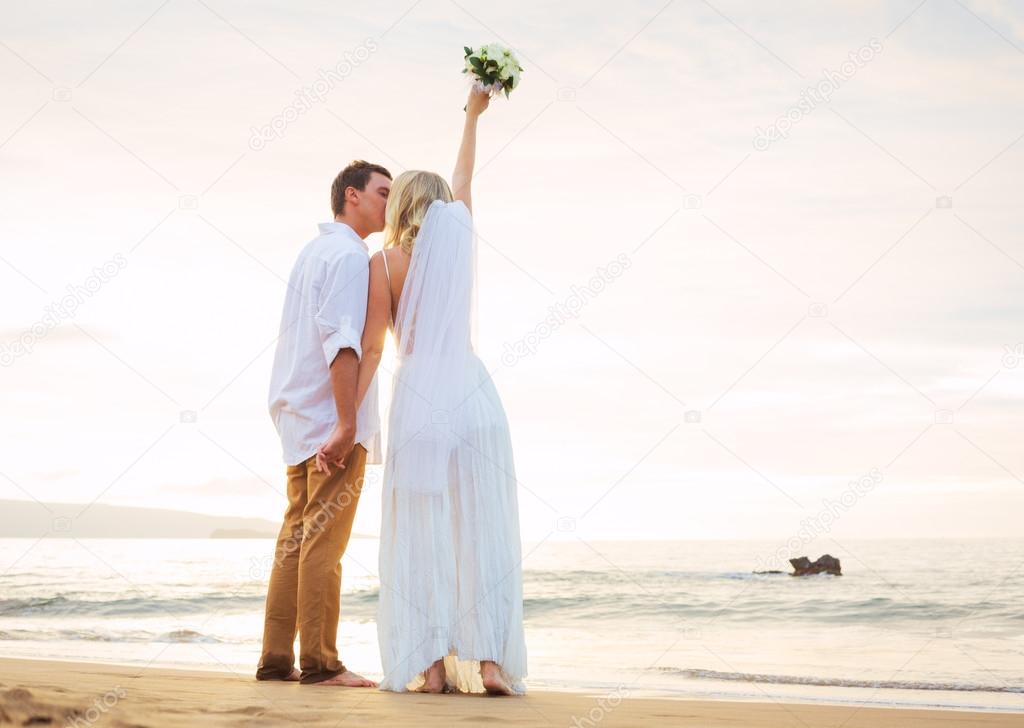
(909, 623)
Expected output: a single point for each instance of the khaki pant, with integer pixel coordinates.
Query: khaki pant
(305, 584)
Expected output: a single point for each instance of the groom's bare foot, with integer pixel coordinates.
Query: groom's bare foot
(493, 681)
(348, 679)
(433, 679)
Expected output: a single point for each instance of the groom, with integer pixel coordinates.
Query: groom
(312, 403)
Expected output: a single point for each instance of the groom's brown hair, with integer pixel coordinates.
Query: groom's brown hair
(355, 175)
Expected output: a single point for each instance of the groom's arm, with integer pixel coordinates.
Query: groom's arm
(344, 370)
(344, 375)
(340, 318)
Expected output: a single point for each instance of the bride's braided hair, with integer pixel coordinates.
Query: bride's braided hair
(408, 201)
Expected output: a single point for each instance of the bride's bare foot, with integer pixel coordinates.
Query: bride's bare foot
(348, 679)
(433, 679)
(493, 681)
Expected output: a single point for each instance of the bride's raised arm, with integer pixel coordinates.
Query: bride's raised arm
(462, 177)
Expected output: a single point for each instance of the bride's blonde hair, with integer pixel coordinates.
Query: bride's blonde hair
(408, 201)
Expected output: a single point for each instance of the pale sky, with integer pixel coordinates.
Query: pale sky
(814, 301)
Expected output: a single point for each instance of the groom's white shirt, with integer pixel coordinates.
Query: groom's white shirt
(324, 312)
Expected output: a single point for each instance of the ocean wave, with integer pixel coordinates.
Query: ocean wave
(72, 604)
(569, 601)
(62, 605)
(695, 674)
(186, 636)
(177, 636)
(750, 607)
(633, 576)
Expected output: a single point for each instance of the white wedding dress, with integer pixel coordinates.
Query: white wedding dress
(450, 554)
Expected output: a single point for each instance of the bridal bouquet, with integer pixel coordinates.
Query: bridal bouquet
(494, 66)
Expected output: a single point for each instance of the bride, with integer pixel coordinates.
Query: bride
(450, 616)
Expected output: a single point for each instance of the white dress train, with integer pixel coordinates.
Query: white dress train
(450, 554)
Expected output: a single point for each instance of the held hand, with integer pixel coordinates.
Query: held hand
(336, 448)
(478, 100)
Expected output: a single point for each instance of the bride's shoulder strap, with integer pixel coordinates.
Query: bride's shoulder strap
(384, 255)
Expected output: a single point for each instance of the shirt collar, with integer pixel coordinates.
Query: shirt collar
(339, 227)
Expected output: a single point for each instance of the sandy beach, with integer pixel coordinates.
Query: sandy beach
(37, 692)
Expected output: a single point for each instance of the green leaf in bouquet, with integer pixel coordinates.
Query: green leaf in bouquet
(469, 51)
(477, 64)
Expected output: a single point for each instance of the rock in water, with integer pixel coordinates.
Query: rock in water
(824, 565)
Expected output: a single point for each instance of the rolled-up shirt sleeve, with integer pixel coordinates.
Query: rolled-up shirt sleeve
(340, 304)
